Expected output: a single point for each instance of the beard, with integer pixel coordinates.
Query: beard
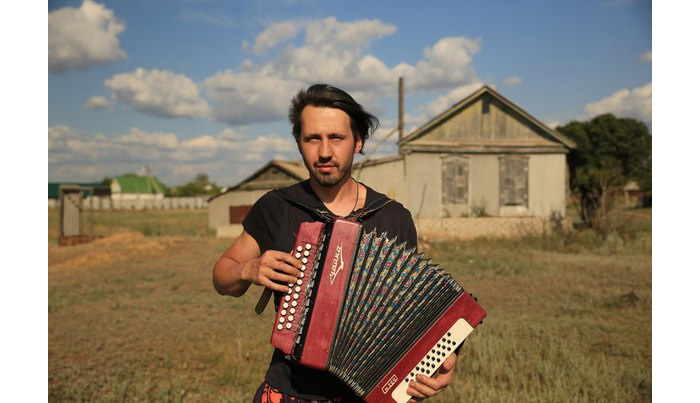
(329, 180)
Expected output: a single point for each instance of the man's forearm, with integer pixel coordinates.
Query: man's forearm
(229, 277)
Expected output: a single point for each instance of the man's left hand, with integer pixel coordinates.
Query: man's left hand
(424, 387)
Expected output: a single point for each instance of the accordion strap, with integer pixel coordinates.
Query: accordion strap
(327, 216)
(323, 215)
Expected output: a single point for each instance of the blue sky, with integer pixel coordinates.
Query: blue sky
(202, 86)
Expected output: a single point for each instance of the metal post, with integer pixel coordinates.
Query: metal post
(400, 108)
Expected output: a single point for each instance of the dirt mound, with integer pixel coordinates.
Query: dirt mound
(103, 251)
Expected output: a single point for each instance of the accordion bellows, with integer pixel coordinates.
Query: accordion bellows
(379, 316)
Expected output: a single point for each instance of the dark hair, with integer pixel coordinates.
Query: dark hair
(362, 123)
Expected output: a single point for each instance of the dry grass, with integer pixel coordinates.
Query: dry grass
(135, 318)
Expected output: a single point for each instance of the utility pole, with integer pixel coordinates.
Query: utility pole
(149, 180)
(400, 108)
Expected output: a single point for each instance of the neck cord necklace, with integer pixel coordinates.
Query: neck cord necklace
(357, 194)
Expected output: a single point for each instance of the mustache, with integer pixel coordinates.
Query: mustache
(334, 163)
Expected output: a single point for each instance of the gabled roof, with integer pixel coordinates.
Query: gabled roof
(140, 184)
(294, 169)
(437, 120)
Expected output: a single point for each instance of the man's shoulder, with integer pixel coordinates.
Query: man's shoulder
(392, 206)
(386, 208)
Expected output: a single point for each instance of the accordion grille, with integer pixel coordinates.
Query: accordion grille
(393, 297)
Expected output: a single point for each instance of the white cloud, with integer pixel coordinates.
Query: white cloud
(445, 64)
(218, 19)
(150, 139)
(173, 160)
(553, 124)
(512, 81)
(61, 135)
(424, 113)
(79, 38)
(274, 35)
(248, 97)
(635, 103)
(331, 35)
(646, 57)
(443, 103)
(97, 102)
(333, 52)
(158, 93)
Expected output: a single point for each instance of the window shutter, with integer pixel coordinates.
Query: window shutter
(447, 182)
(455, 179)
(461, 180)
(514, 189)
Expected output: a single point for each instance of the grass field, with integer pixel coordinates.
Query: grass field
(133, 316)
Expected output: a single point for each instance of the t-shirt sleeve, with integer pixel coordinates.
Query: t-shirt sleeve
(396, 221)
(408, 229)
(263, 220)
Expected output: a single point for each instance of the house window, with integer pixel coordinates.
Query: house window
(514, 181)
(485, 106)
(455, 179)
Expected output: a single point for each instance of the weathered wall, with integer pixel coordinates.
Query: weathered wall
(547, 183)
(424, 184)
(464, 228)
(486, 119)
(546, 186)
(483, 183)
(385, 178)
(219, 207)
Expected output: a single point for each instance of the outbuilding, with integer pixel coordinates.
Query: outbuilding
(227, 210)
(485, 157)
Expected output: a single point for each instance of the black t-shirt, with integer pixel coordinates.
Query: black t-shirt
(273, 223)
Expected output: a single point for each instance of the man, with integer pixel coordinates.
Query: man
(329, 128)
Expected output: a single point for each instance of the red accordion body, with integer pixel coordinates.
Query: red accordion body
(370, 312)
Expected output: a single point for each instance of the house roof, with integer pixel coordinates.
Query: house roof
(378, 161)
(294, 169)
(447, 114)
(140, 184)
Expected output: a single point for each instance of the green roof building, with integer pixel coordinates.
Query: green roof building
(137, 187)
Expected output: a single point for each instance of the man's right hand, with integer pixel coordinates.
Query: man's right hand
(242, 265)
(274, 270)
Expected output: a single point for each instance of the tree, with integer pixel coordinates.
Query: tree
(106, 181)
(200, 185)
(610, 152)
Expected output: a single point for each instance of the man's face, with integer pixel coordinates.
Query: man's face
(326, 143)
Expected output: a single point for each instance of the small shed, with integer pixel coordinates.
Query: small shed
(227, 209)
(70, 202)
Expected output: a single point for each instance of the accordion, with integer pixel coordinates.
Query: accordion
(370, 311)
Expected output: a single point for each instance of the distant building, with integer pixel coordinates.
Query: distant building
(133, 187)
(227, 210)
(54, 188)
